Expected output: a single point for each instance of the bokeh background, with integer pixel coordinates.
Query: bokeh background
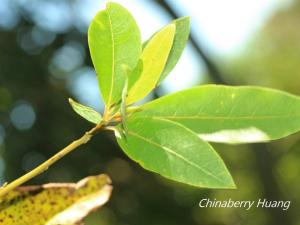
(44, 59)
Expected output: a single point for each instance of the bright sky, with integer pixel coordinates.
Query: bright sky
(224, 25)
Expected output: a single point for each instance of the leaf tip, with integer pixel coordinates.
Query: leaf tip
(110, 4)
(71, 101)
(187, 18)
(232, 185)
(172, 26)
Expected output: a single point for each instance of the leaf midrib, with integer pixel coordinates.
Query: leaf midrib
(176, 155)
(223, 117)
(137, 84)
(113, 60)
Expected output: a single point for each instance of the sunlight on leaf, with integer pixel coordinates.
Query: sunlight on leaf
(181, 36)
(175, 152)
(123, 102)
(151, 64)
(240, 114)
(114, 39)
(86, 112)
(250, 135)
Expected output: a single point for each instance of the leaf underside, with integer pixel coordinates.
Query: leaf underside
(174, 152)
(230, 114)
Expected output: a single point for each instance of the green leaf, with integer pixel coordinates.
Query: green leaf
(152, 62)
(86, 112)
(230, 114)
(135, 74)
(53, 204)
(123, 103)
(114, 39)
(180, 39)
(175, 152)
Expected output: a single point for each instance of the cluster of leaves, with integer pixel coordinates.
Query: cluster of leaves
(170, 135)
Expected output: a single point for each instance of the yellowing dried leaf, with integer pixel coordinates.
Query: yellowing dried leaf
(55, 203)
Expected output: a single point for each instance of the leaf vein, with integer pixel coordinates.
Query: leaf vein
(176, 155)
(113, 60)
(227, 118)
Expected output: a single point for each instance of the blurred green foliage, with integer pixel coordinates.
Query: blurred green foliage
(36, 121)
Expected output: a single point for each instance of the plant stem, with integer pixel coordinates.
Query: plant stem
(45, 165)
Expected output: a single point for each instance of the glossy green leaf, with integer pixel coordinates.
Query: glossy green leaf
(230, 114)
(86, 112)
(152, 62)
(175, 152)
(114, 39)
(181, 36)
(53, 204)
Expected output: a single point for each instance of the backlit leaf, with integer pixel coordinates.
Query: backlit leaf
(151, 64)
(180, 39)
(123, 103)
(114, 39)
(86, 112)
(175, 152)
(230, 114)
